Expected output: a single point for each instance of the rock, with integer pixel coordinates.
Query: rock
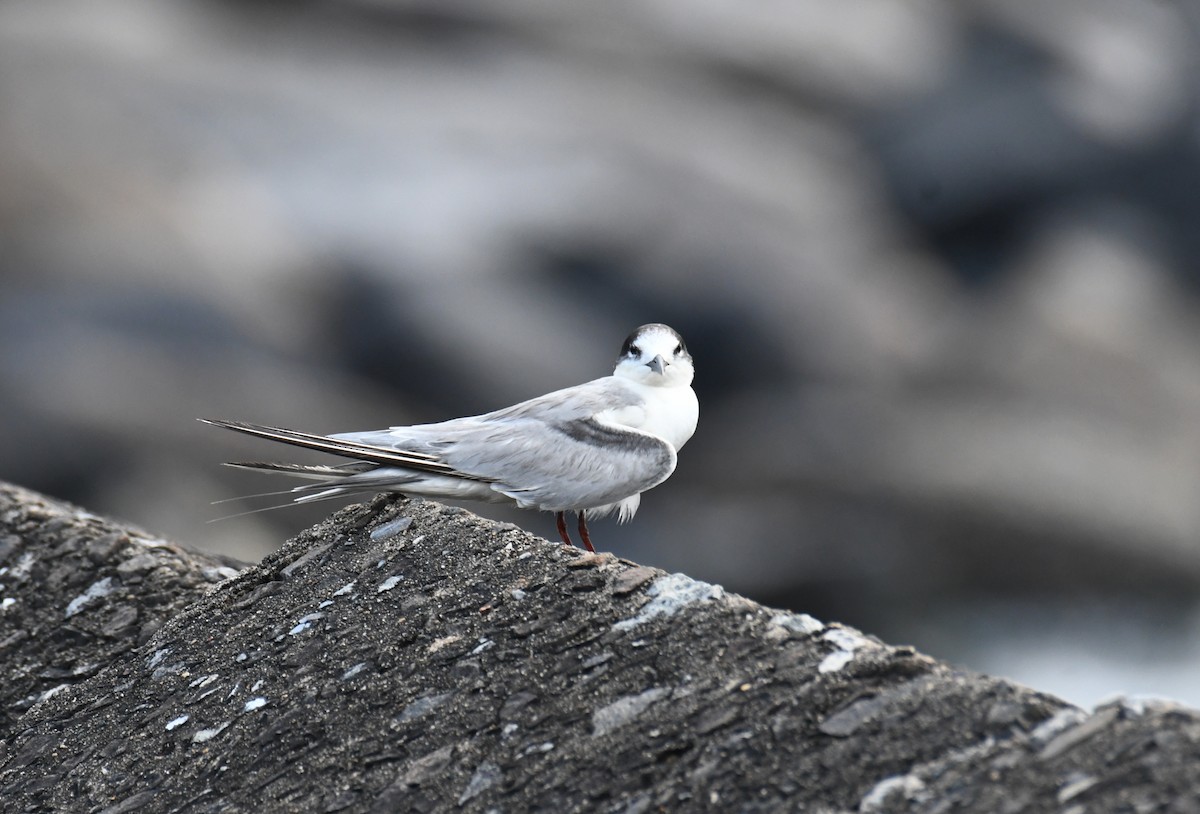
(315, 691)
(56, 632)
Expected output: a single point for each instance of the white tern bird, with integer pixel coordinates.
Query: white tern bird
(590, 449)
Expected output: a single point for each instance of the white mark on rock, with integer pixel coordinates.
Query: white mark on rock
(353, 671)
(598, 659)
(1072, 736)
(23, 566)
(53, 691)
(518, 594)
(157, 658)
(484, 644)
(389, 583)
(7, 602)
(835, 661)
(624, 710)
(547, 746)
(1057, 723)
(906, 784)
(846, 641)
(1139, 704)
(204, 681)
(169, 669)
(151, 542)
(208, 734)
(484, 778)
(669, 595)
(96, 590)
(304, 623)
(255, 703)
(325, 604)
(345, 589)
(1078, 785)
(797, 623)
(391, 528)
(174, 722)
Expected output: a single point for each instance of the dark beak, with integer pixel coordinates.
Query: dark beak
(657, 364)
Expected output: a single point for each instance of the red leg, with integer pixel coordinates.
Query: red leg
(561, 519)
(583, 532)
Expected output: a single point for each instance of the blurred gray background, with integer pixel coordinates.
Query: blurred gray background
(935, 261)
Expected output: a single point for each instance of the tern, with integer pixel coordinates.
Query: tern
(591, 449)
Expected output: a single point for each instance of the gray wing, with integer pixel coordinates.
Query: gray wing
(550, 452)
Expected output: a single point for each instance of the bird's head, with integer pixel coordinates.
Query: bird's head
(655, 354)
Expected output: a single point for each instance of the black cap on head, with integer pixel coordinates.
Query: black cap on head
(652, 327)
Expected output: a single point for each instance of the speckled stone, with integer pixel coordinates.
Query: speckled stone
(500, 672)
(76, 597)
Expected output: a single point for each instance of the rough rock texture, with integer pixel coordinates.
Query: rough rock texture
(78, 592)
(410, 657)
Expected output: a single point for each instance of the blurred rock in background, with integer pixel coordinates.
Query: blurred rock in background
(934, 261)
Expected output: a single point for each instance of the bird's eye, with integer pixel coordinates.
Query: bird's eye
(634, 350)
(679, 349)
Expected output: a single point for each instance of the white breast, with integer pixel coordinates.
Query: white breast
(668, 412)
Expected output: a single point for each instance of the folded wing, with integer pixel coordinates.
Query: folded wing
(550, 453)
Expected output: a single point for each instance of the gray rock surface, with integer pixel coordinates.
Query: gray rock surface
(78, 592)
(405, 656)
